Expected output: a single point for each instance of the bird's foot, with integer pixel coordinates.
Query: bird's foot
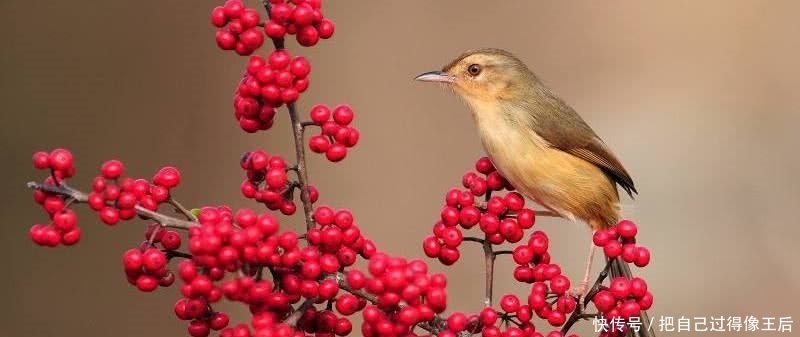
(580, 292)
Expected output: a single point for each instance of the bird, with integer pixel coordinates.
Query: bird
(540, 144)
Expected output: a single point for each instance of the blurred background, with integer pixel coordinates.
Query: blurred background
(698, 99)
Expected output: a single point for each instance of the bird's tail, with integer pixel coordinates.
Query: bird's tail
(621, 268)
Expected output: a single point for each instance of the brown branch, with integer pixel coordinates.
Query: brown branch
(81, 197)
(183, 210)
(488, 255)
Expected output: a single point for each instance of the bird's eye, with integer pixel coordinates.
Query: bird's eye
(474, 69)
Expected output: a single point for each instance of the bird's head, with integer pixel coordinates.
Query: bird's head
(484, 76)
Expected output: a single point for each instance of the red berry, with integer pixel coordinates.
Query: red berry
(620, 287)
(41, 160)
(604, 300)
(302, 15)
(484, 165)
(109, 215)
(225, 39)
(252, 38)
(343, 114)
(233, 8)
(279, 59)
(556, 318)
(249, 18)
(153, 260)
(198, 328)
(65, 220)
(509, 303)
(559, 284)
(627, 229)
(600, 238)
(307, 36)
(431, 246)
(146, 283)
(61, 159)
(336, 152)
(646, 301)
(457, 322)
(320, 114)
(71, 237)
(274, 30)
(448, 255)
(642, 257)
(168, 177)
(325, 29)
(318, 143)
(628, 252)
(281, 12)
(171, 240)
(613, 249)
(343, 219)
(218, 17)
(219, 321)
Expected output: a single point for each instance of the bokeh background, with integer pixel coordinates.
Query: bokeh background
(698, 98)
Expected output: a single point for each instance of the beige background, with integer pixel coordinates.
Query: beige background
(698, 98)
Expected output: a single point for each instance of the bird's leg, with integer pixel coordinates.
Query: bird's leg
(583, 287)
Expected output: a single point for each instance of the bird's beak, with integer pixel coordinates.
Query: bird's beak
(436, 76)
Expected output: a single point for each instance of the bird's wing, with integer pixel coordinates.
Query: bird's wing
(560, 126)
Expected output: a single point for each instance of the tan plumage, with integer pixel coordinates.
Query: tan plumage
(540, 144)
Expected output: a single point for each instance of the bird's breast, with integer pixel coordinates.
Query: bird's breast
(559, 181)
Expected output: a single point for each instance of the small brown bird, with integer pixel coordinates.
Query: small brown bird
(539, 143)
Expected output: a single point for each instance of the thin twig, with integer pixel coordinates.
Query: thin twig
(473, 239)
(488, 255)
(178, 206)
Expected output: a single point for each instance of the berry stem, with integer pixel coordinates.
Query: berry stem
(81, 197)
(183, 210)
(488, 255)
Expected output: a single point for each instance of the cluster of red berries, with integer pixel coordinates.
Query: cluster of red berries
(63, 227)
(624, 298)
(146, 268)
(490, 181)
(501, 219)
(620, 241)
(59, 161)
(302, 18)
(406, 295)
(489, 319)
(338, 239)
(238, 27)
(115, 198)
(336, 133)
(324, 322)
(268, 182)
(268, 84)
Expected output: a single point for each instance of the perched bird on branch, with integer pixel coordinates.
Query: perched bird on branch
(540, 144)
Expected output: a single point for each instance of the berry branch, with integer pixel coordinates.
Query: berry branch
(77, 196)
(295, 289)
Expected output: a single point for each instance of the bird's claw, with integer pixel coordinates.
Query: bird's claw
(580, 292)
